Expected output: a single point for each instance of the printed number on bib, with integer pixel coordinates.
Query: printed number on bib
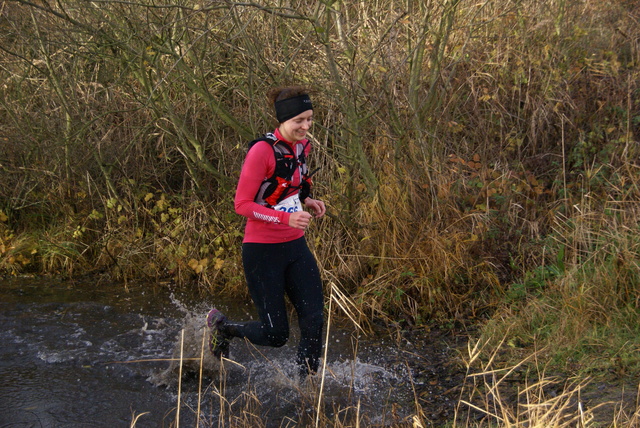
(290, 205)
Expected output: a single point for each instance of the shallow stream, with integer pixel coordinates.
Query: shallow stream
(85, 355)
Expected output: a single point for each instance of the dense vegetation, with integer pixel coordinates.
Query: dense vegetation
(480, 160)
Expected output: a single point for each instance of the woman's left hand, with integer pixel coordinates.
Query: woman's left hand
(316, 206)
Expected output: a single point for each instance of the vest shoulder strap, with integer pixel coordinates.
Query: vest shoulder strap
(286, 160)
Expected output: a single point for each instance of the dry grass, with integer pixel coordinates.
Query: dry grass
(495, 395)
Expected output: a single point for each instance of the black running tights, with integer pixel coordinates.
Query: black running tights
(273, 271)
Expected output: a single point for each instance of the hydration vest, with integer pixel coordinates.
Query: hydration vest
(279, 186)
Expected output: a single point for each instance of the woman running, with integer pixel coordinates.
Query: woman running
(272, 193)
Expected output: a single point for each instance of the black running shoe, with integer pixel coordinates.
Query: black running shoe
(218, 341)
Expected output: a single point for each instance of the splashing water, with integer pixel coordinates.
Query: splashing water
(267, 377)
(190, 353)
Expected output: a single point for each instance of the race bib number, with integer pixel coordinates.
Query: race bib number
(291, 204)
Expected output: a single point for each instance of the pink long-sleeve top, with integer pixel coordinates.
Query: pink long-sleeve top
(264, 225)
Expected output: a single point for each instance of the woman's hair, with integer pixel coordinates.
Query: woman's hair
(284, 92)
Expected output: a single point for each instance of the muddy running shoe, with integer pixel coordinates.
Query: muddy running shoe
(218, 341)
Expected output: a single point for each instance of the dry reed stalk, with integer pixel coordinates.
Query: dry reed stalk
(180, 379)
(135, 419)
(204, 336)
(324, 360)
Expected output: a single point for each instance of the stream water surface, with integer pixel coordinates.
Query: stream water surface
(86, 355)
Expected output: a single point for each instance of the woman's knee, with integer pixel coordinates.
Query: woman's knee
(275, 328)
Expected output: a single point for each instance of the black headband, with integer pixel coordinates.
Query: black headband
(291, 107)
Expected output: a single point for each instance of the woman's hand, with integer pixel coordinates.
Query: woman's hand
(299, 220)
(316, 206)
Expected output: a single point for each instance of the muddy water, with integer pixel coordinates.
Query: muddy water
(86, 355)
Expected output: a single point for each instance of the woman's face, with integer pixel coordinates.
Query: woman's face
(296, 128)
